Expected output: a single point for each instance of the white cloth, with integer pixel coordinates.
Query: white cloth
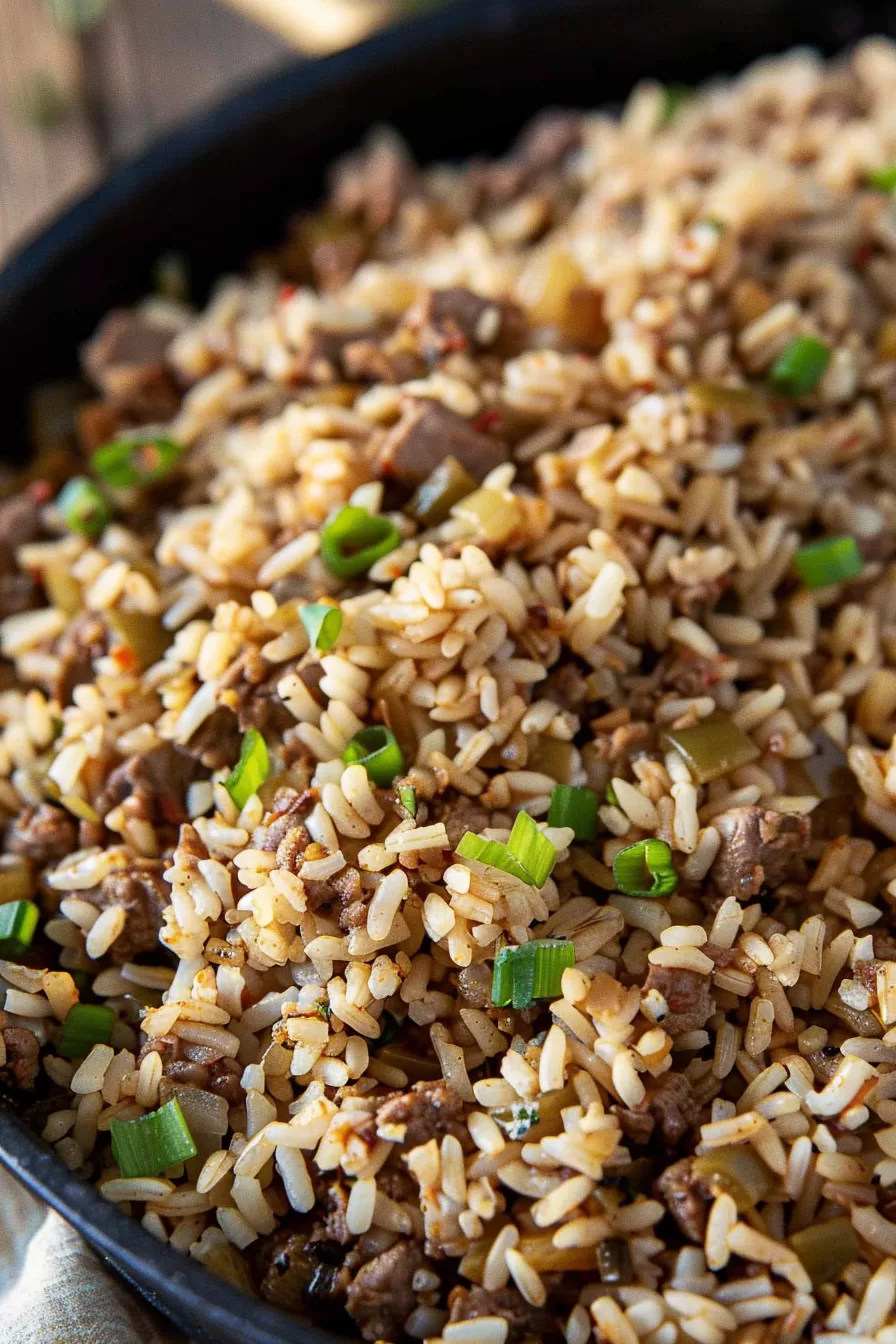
(54, 1290)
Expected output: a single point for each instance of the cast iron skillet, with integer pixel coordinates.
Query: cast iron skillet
(457, 83)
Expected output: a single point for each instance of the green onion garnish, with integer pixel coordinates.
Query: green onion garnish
(354, 539)
(87, 1025)
(674, 98)
(378, 751)
(18, 923)
(83, 507)
(532, 849)
(407, 796)
(831, 560)
(883, 179)
(575, 807)
(251, 770)
(528, 854)
(323, 624)
(152, 1144)
(135, 461)
(645, 869)
(534, 971)
(799, 367)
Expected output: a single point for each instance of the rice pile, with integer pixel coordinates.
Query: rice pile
(310, 973)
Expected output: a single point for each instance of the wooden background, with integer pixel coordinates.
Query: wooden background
(148, 64)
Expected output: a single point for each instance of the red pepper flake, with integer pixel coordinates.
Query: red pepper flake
(863, 255)
(39, 492)
(286, 292)
(126, 658)
(486, 421)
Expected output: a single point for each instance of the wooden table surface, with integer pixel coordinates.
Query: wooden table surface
(149, 64)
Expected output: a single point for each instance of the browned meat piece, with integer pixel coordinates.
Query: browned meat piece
(297, 1272)
(370, 361)
(722, 956)
(525, 1322)
(43, 834)
(261, 707)
(381, 1296)
(688, 995)
(685, 1198)
(372, 183)
(216, 742)
(426, 434)
(692, 675)
(429, 1110)
(224, 1080)
(144, 894)
(321, 358)
(283, 817)
(352, 905)
(156, 781)
(83, 640)
(125, 359)
(456, 319)
(17, 593)
(336, 1205)
(548, 138)
(460, 815)
(670, 1106)
(19, 523)
(758, 849)
(22, 1051)
(567, 687)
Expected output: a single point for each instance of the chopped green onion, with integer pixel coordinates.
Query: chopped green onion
(378, 751)
(251, 770)
(645, 869)
(883, 179)
(532, 849)
(446, 485)
(407, 796)
(323, 624)
(713, 747)
(136, 461)
(87, 1025)
(575, 807)
(799, 367)
(354, 539)
(493, 853)
(674, 98)
(534, 971)
(152, 1144)
(528, 854)
(610, 795)
(83, 506)
(831, 560)
(18, 923)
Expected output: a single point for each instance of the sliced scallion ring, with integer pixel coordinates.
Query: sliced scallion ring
(575, 807)
(377, 749)
(87, 1025)
(136, 461)
(152, 1144)
(831, 560)
(800, 366)
(645, 869)
(534, 971)
(323, 624)
(18, 925)
(354, 539)
(83, 506)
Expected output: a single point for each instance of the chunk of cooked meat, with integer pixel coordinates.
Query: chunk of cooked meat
(373, 361)
(22, 1051)
(81, 643)
(687, 994)
(157, 780)
(371, 183)
(685, 1197)
(459, 815)
(670, 1107)
(125, 359)
(758, 849)
(296, 1272)
(43, 834)
(525, 1322)
(426, 434)
(457, 319)
(381, 1296)
(216, 742)
(283, 819)
(429, 1110)
(20, 523)
(144, 894)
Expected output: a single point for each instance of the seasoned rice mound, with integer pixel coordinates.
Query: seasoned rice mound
(590, 404)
